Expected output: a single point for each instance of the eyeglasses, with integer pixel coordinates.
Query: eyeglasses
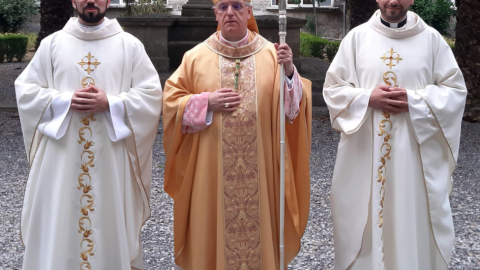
(223, 7)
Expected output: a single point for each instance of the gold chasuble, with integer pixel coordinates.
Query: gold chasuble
(224, 180)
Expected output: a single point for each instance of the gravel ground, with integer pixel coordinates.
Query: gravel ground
(8, 73)
(317, 249)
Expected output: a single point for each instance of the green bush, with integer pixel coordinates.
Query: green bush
(13, 46)
(332, 49)
(32, 39)
(14, 12)
(311, 46)
(318, 47)
(436, 13)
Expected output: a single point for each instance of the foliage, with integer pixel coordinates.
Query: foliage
(436, 13)
(14, 12)
(310, 25)
(145, 7)
(311, 46)
(13, 46)
(450, 42)
(332, 49)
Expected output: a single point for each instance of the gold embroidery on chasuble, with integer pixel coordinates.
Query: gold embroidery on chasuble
(89, 61)
(241, 197)
(87, 158)
(240, 170)
(391, 59)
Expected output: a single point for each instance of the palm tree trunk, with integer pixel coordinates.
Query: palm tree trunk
(359, 12)
(54, 14)
(316, 19)
(467, 52)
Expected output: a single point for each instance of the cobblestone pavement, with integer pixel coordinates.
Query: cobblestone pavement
(317, 248)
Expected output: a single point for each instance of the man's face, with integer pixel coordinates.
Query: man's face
(232, 16)
(91, 11)
(394, 10)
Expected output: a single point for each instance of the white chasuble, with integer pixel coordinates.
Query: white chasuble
(392, 177)
(88, 190)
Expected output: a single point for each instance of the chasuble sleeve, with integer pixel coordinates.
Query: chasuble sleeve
(197, 117)
(54, 121)
(347, 101)
(443, 100)
(34, 91)
(297, 172)
(142, 105)
(175, 100)
(116, 126)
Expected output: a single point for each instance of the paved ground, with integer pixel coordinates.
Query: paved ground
(8, 73)
(317, 248)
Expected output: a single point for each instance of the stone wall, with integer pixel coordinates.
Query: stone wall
(330, 19)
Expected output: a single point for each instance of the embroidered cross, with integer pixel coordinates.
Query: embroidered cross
(392, 58)
(237, 73)
(87, 61)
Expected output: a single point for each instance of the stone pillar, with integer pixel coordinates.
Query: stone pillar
(153, 33)
(198, 8)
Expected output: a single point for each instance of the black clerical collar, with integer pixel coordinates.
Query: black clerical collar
(394, 25)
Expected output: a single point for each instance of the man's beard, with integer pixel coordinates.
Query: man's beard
(394, 16)
(90, 17)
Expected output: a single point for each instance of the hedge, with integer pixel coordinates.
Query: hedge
(311, 46)
(13, 46)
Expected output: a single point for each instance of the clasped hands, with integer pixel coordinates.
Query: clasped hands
(391, 100)
(89, 100)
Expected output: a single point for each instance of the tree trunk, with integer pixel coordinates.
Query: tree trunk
(54, 14)
(316, 19)
(467, 52)
(359, 11)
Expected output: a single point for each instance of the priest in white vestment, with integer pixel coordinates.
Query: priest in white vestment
(396, 94)
(89, 105)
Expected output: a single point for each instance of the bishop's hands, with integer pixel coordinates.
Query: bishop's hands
(89, 100)
(224, 100)
(285, 56)
(392, 100)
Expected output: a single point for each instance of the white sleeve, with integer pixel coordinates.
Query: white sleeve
(55, 119)
(116, 126)
(290, 81)
(422, 119)
(209, 118)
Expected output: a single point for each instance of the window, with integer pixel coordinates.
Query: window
(118, 3)
(304, 3)
(121, 3)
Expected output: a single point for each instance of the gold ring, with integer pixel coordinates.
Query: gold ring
(226, 105)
